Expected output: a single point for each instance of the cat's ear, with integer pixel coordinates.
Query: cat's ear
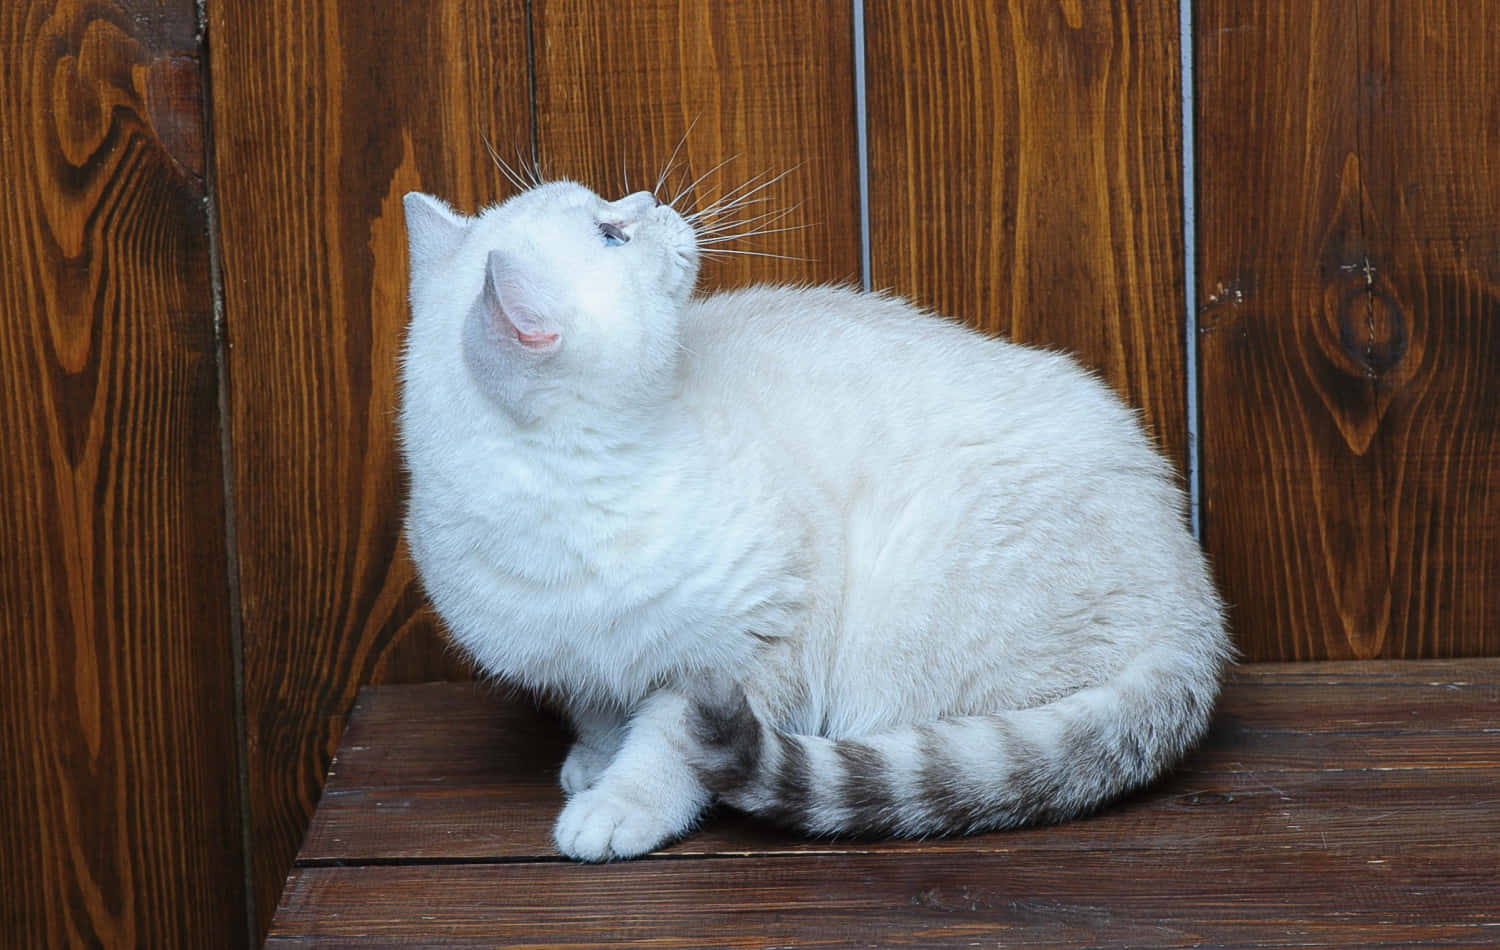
(433, 229)
(520, 307)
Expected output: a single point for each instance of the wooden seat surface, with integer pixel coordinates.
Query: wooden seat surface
(1332, 804)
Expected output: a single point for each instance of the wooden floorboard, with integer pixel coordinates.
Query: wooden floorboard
(1337, 804)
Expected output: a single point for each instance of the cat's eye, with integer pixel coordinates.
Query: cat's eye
(613, 236)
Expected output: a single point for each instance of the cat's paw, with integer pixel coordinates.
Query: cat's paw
(597, 826)
(582, 768)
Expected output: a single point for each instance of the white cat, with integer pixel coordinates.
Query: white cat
(828, 558)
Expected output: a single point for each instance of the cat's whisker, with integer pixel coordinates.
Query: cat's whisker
(720, 222)
(666, 169)
(698, 181)
(747, 235)
(720, 201)
(716, 206)
(727, 198)
(511, 175)
(751, 228)
(727, 204)
(763, 219)
(717, 251)
(533, 168)
(686, 171)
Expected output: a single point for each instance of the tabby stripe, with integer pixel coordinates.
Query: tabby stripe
(1035, 783)
(945, 789)
(864, 793)
(793, 783)
(735, 740)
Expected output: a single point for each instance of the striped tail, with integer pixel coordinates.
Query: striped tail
(964, 774)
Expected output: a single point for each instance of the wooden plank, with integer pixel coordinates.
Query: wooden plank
(1024, 176)
(454, 771)
(1381, 896)
(325, 114)
(1350, 321)
(1248, 807)
(118, 782)
(771, 92)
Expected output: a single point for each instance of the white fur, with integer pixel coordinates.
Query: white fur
(870, 516)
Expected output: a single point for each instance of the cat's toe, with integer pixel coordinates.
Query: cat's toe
(581, 769)
(597, 827)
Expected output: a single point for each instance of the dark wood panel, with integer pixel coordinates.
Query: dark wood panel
(1024, 176)
(119, 800)
(1201, 898)
(325, 114)
(444, 792)
(1350, 324)
(462, 773)
(765, 89)
(1225, 801)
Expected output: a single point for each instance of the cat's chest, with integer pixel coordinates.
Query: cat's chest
(612, 582)
(536, 526)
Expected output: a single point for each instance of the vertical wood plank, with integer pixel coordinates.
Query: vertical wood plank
(1024, 176)
(119, 800)
(1350, 327)
(768, 88)
(325, 114)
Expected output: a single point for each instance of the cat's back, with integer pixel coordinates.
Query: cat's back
(862, 370)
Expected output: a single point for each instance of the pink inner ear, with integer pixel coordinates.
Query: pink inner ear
(520, 305)
(535, 340)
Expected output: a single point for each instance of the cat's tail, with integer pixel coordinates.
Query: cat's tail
(965, 774)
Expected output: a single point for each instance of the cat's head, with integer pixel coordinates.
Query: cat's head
(553, 296)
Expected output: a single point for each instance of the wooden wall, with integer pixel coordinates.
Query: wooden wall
(201, 298)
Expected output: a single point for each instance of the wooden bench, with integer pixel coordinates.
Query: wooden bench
(1333, 804)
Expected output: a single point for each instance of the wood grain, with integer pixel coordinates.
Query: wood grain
(1024, 177)
(325, 114)
(1350, 324)
(750, 83)
(119, 804)
(1204, 899)
(1331, 804)
(1345, 748)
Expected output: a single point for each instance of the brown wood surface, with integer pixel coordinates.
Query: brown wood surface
(325, 114)
(1349, 175)
(1332, 804)
(1024, 176)
(1211, 899)
(766, 87)
(119, 815)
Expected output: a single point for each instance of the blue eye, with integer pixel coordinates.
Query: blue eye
(613, 236)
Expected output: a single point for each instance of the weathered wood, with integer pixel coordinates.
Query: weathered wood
(118, 780)
(1339, 748)
(1350, 324)
(325, 114)
(1024, 176)
(1321, 791)
(752, 83)
(1201, 898)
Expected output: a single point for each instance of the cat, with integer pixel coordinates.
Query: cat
(810, 551)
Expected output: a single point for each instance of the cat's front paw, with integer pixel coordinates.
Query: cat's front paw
(582, 768)
(597, 826)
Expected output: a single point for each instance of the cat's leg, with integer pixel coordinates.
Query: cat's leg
(646, 796)
(600, 733)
